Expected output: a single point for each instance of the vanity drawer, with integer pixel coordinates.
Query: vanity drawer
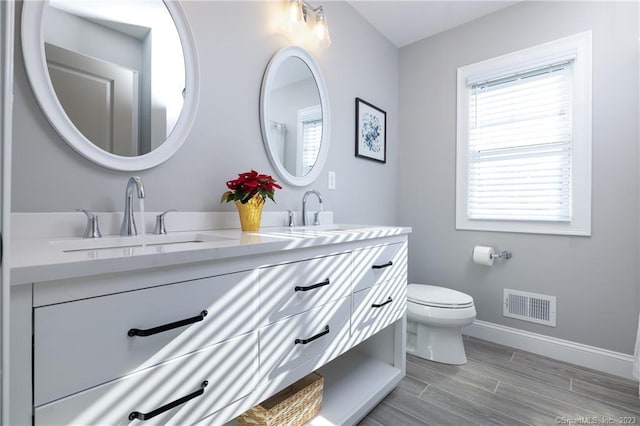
(289, 289)
(229, 368)
(376, 307)
(84, 343)
(291, 342)
(374, 265)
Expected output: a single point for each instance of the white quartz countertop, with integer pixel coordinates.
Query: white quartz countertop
(36, 260)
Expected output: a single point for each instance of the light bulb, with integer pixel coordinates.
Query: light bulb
(321, 30)
(296, 14)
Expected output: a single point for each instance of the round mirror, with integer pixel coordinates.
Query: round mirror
(294, 116)
(117, 79)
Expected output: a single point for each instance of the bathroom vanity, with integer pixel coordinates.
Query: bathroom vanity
(197, 326)
(201, 326)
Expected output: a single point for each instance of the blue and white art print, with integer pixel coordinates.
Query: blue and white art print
(371, 132)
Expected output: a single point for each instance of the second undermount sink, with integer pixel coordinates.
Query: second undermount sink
(323, 228)
(72, 245)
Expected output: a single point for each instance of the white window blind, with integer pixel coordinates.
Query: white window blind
(312, 136)
(520, 146)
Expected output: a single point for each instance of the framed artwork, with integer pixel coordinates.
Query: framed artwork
(371, 132)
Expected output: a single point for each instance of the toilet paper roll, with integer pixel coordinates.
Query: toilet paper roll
(483, 255)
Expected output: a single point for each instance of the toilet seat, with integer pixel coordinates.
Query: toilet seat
(438, 297)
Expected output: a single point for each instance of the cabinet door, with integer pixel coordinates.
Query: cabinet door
(292, 288)
(374, 265)
(85, 343)
(229, 370)
(320, 333)
(377, 307)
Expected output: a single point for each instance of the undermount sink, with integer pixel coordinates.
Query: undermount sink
(72, 245)
(323, 228)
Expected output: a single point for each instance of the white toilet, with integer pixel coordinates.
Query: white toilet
(435, 317)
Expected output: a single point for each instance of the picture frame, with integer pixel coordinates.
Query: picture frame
(371, 132)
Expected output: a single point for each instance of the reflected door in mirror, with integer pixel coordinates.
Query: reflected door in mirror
(99, 97)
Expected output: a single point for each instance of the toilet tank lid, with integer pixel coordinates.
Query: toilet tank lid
(438, 295)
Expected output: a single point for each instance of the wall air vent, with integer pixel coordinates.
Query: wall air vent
(532, 307)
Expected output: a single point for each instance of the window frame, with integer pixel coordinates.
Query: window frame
(577, 47)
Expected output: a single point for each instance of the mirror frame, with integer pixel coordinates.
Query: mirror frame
(32, 34)
(265, 98)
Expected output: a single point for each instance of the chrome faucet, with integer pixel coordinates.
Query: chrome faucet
(92, 230)
(160, 228)
(291, 221)
(316, 220)
(128, 226)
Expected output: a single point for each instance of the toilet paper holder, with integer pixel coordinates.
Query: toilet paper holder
(502, 255)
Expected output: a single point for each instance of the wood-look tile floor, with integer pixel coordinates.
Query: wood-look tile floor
(504, 386)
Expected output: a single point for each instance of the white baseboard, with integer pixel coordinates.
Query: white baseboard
(599, 359)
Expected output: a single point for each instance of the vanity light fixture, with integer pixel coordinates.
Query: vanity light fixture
(302, 15)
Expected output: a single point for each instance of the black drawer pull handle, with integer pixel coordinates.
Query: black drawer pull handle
(380, 305)
(151, 414)
(386, 265)
(311, 287)
(312, 338)
(167, 327)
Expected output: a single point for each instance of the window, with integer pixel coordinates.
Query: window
(524, 141)
(310, 133)
(312, 136)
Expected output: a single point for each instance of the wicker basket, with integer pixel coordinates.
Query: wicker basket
(293, 406)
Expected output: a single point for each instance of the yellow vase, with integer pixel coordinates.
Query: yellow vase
(250, 213)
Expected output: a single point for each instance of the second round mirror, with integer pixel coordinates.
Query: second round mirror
(294, 113)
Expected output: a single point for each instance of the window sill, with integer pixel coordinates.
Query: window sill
(526, 227)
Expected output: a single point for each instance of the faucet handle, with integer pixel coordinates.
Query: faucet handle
(160, 228)
(316, 218)
(92, 230)
(291, 222)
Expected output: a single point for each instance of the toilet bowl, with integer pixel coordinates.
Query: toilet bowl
(435, 317)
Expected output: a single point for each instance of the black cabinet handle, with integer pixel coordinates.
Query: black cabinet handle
(151, 414)
(380, 305)
(312, 338)
(386, 265)
(311, 287)
(167, 327)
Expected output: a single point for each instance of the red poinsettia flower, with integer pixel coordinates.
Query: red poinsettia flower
(249, 184)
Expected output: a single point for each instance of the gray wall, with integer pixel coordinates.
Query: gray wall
(594, 278)
(235, 41)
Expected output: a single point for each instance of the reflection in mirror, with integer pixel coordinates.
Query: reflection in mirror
(296, 117)
(294, 114)
(118, 70)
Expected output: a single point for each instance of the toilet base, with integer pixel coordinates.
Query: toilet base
(437, 344)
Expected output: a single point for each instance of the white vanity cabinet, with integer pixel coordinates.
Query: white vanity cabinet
(117, 334)
(199, 384)
(380, 289)
(99, 360)
(202, 342)
(295, 287)
(305, 313)
(315, 337)
(377, 264)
